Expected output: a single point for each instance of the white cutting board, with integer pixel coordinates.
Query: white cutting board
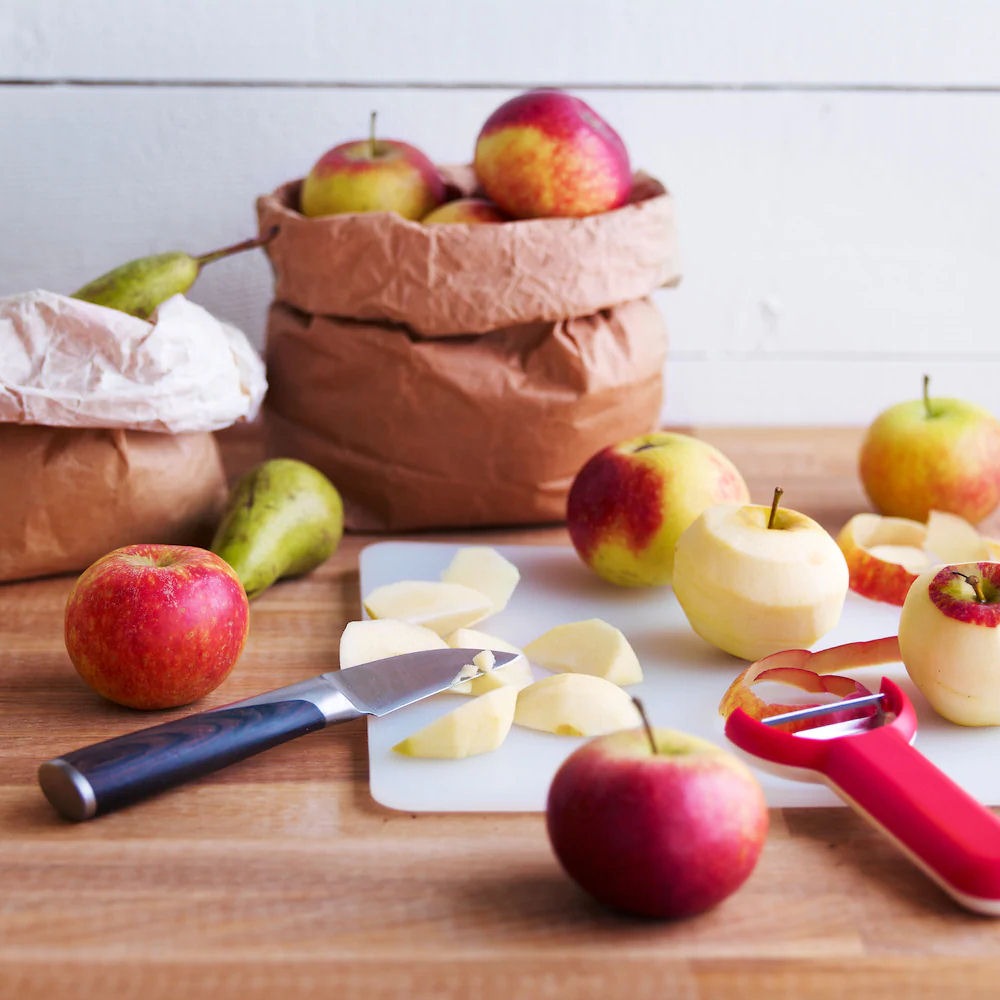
(684, 679)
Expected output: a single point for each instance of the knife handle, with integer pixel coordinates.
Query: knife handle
(119, 771)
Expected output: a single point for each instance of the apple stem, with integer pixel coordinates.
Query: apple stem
(975, 583)
(778, 494)
(371, 135)
(645, 724)
(927, 396)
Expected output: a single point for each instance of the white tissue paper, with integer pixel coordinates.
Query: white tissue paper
(67, 363)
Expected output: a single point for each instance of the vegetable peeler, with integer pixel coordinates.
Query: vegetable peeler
(870, 763)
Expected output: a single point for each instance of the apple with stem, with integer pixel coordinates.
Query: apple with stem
(754, 580)
(372, 175)
(630, 502)
(156, 626)
(940, 454)
(656, 822)
(547, 153)
(949, 640)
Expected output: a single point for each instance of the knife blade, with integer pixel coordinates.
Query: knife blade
(102, 777)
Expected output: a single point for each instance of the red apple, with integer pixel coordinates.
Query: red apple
(630, 503)
(372, 175)
(664, 834)
(940, 454)
(156, 626)
(468, 210)
(547, 153)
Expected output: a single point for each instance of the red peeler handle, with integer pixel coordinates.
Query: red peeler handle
(939, 825)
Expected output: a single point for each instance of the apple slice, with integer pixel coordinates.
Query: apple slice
(575, 705)
(953, 540)
(476, 727)
(485, 570)
(884, 555)
(588, 647)
(364, 641)
(441, 607)
(516, 673)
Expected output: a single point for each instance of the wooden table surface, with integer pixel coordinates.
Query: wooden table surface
(280, 877)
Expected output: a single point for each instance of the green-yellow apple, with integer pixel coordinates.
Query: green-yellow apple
(949, 639)
(754, 580)
(661, 827)
(940, 454)
(471, 211)
(630, 503)
(372, 175)
(547, 153)
(156, 626)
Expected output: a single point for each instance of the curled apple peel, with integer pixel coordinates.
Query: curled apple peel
(811, 672)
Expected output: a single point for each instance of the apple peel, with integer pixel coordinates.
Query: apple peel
(812, 672)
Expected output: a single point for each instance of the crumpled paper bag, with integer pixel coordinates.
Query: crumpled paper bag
(454, 432)
(67, 363)
(70, 495)
(451, 280)
(105, 427)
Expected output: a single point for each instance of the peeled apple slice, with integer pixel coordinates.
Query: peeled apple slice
(476, 727)
(362, 642)
(516, 673)
(587, 647)
(441, 607)
(886, 554)
(575, 705)
(485, 570)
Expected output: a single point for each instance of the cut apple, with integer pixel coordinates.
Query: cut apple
(517, 673)
(482, 663)
(441, 607)
(362, 642)
(476, 727)
(485, 570)
(588, 647)
(575, 705)
(886, 554)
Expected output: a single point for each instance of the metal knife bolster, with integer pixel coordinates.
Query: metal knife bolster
(323, 691)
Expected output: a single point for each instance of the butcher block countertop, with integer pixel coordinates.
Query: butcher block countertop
(281, 878)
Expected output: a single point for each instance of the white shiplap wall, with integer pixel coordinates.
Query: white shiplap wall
(835, 165)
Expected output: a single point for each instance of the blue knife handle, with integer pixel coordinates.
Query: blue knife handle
(105, 776)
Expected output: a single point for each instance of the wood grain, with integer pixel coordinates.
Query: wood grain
(280, 875)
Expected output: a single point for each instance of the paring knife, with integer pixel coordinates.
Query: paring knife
(102, 777)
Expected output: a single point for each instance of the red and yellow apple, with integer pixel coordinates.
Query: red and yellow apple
(754, 580)
(949, 640)
(156, 626)
(471, 211)
(547, 153)
(372, 175)
(630, 503)
(661, 829)
(933, 454)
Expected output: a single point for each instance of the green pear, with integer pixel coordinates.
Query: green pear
(139, 286)
(283, 518)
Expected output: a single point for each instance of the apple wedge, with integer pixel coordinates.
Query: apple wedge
(587, 647)
(441, 607)
(575, 705)
(476, 727)
(364, 641)
(516, 673)
(485, 570)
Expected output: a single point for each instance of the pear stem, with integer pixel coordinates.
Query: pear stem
(257, 241)
(645, 724)
(927, 397)
(371, 136)
(778, 494)
(975, 583)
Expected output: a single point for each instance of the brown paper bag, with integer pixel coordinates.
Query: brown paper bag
(453, 280)
(70, 495)
(459, 431)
